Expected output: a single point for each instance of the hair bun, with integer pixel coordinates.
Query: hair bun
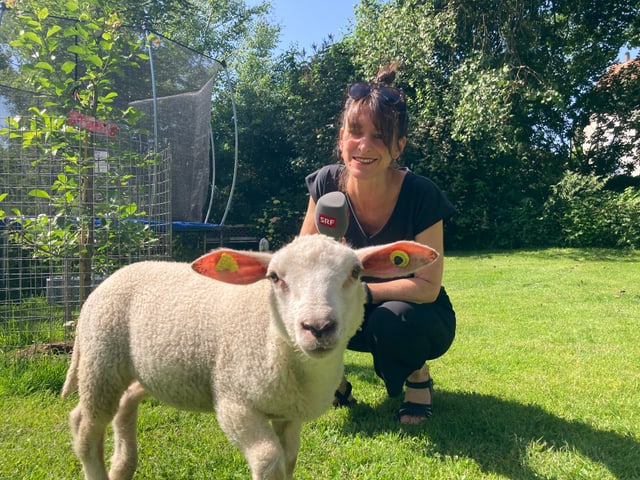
(387, 76)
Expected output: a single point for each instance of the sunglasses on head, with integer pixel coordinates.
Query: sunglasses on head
(390, 95)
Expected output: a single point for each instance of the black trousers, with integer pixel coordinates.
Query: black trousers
(402, 336)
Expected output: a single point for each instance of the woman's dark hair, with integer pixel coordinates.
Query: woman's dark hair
(383, 103)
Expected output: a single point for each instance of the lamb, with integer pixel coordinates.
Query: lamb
(266, 356)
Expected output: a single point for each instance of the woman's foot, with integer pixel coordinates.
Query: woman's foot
(343, 397)
(416, 407)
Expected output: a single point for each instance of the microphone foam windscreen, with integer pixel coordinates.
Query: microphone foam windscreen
(332, 215)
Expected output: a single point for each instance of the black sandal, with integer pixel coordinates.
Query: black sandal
(343, 398)
(414, 409)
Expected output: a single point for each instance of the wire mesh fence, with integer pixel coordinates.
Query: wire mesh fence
(69, 221)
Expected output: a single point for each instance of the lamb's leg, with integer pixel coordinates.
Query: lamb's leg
(125, 454)
(100, 387)
(289, 435)
(88, 440)
(253, 434)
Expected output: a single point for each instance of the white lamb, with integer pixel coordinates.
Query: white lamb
(264, 355)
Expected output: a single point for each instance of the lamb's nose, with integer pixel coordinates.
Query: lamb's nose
(318, 329)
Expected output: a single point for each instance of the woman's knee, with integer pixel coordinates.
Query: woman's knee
(422, 327)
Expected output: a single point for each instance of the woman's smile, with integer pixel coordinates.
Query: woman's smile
(364, 160)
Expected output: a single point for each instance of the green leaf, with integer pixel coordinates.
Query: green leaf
(44, 66)
(77, 49)
(69, 32)
(131, 209)
(53, 30)
(71, 5)
(95, 59)
(108, 98)
(39, 194)
(68, 67)
(106, 46)
(32, 37)
(43, 13)
(45, 82)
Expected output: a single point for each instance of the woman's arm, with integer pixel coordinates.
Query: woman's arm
(309, 222)
(424, 287)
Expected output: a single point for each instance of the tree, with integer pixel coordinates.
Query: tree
(286, 107)
(609, 144)
(72, 67)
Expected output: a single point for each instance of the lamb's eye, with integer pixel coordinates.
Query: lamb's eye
(355, 273)
(273, 276)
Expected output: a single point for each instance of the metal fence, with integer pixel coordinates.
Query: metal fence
(117, 206)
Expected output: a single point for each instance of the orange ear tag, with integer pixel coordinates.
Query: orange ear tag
(227, 262)
(399, 258)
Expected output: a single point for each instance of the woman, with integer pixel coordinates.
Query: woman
(407, 320)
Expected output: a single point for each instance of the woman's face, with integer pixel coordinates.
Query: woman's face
(363, 150)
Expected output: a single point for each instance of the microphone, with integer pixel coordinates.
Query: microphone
(332, 215)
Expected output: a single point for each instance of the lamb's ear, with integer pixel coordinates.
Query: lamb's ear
(395, 259)
(233, 266)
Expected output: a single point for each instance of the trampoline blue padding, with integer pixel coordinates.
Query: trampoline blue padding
(195, 227)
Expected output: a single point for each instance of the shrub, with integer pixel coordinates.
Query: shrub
(581, 212)
(280, 221)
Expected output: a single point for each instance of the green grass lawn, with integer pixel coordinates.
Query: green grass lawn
(542, 382)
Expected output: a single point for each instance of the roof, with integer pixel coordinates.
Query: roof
(629, 68)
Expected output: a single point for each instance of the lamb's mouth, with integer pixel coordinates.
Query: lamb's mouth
(319, 349)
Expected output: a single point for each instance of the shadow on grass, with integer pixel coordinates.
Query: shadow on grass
(497, 434)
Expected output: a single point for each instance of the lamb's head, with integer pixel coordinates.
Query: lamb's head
(317, 297)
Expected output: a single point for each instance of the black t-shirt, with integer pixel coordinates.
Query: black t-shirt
(420, 204)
